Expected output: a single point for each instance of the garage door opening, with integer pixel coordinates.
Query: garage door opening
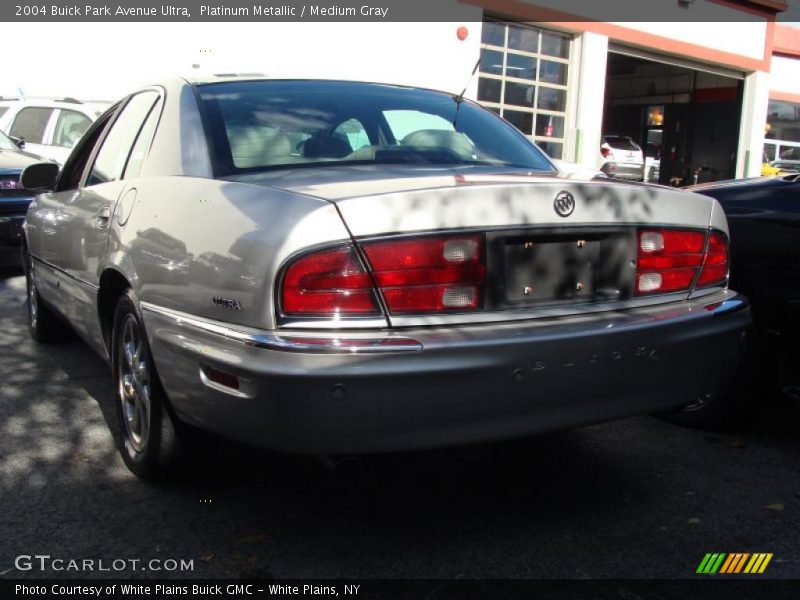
(686, 120)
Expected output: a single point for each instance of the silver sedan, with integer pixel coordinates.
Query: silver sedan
(341, 267)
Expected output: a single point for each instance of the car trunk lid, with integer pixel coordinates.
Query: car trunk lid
(552, 246)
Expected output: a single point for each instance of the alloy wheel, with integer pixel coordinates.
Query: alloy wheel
(134, 384)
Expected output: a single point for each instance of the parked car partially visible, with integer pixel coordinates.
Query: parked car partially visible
(14, 199)
(339, 267)
(786, 166)
(622, 157)
(764, 219)
(50, 128)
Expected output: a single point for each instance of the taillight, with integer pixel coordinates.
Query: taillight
(715, 268)
(669, 260)
(432, 274)
(418, 275)
(329, 283)
(607, 153)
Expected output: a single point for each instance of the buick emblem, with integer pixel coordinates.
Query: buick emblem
(564, 204)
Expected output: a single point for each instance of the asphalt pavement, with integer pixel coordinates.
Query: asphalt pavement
(633, 498)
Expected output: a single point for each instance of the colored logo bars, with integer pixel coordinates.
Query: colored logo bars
(737, 562)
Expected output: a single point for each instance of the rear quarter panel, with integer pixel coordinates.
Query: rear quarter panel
(188, 240)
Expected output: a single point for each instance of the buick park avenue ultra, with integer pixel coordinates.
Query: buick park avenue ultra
(334, 267)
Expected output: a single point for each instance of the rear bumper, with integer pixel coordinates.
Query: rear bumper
(456, 385)
(623, 171)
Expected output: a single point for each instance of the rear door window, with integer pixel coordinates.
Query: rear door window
(30, 124)
(621, 142)
(70, 126)
(142, 144)
(113, 155)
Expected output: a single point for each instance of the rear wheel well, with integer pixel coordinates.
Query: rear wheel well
(112, 285)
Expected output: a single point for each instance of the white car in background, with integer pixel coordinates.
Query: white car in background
(622, 157)
(571, 170)
(50, 128)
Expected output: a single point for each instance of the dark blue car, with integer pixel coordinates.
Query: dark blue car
(14, 199)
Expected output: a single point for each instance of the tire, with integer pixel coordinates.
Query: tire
(735, 405)
(725, 411)
(152, 442)
(43, 323)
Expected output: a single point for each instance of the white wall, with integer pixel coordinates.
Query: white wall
(104, 61)
(710, 24)
(657, 10)
(785, 74)
(754, 116)
(742, 39)
(590, 89)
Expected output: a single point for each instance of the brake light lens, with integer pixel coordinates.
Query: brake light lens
(669, 260)
(715, 269)
(417, 275)
(607, 153)
(329, 283)
(429, 275)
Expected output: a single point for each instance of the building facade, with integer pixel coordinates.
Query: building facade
(710, 89)
(694, 89)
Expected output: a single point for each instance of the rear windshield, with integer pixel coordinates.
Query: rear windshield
(621, 142)
(261, 125)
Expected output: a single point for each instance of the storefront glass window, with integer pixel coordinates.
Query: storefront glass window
(783, 121)
(782, 134)
(523, 77)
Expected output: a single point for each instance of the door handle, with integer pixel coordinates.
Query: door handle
(103, 217)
